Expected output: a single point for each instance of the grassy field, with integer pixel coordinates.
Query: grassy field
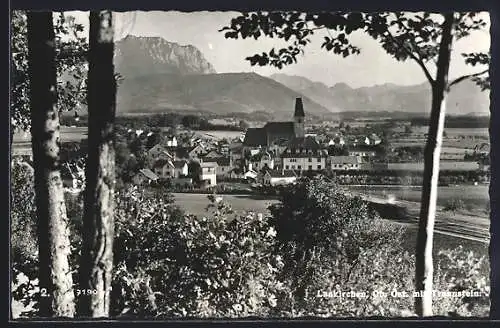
(220, 134)
(68, 134)
(196, 204)
(476, 196)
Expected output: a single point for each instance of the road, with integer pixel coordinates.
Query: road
(468, 227)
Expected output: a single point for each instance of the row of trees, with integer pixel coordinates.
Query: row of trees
(38, 84)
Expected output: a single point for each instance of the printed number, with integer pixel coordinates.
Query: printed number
(43, 292)
(86, 292)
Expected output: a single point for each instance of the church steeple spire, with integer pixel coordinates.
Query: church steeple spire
(299, 119)
(299, 108)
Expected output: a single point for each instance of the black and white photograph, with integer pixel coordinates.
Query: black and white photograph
(268, 165)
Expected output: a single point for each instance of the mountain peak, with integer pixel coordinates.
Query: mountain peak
(142, 56)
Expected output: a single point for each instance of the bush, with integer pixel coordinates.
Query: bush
(460, 270)
(331, 242)
(454, 205)
(318, 241)
(213, 266)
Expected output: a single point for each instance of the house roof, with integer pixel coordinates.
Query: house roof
(209, 164)
(255, 137)
(148, 174)
(161, 163)
(345, 160)
(183, 152)
(362, 147)
(179, 164)
(281, 173)
(304, 143)
(222, 161)
(212, 154)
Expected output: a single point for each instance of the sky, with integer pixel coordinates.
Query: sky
(371, 67)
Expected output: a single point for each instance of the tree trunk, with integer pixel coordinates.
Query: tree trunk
(98, 226)
(494, 174)
(53, 232)
(424, 261)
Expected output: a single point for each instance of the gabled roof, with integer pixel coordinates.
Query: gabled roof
(183, 152)
(179, 164)
(212, 154)
(308, 143)
(255, 137)
(157, 146)
(208, 164)
(345, 160)
(148, 174)
(362, 147)
(222, 161)
(281, 173)
(161, 163)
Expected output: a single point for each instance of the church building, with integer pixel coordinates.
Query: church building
(277, 132)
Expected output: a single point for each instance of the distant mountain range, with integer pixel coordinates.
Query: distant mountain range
(161, 76)
(219, 93)
(464, 98)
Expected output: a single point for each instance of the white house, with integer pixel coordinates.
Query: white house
(209, 173)
(303, 155)
(180, 169)
(168, 169)
(172, 141)
(277, 177)
(362, 151)
(339, 163)
(250, 173)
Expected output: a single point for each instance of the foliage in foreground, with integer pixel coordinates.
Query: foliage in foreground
(169, 264)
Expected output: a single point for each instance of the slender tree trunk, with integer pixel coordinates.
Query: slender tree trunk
(98, 226)
(495, 170)
(424, 261)
(53, 232)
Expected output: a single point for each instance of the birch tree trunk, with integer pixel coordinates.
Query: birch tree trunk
(53, 232)
(98, 226)
(424, 260)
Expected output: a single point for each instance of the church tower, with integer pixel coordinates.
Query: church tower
(299, 116)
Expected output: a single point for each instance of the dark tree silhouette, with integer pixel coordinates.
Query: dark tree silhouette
(53, 232)
(98, 225)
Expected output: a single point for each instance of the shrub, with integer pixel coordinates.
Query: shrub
(218, 265)
(461, 270)
(454, 205)
(331, 241)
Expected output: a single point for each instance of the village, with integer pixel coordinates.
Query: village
(279, 153)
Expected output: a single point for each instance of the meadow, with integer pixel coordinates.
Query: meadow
(476, 196)
(219, 135)
(196, 204)
(68, 134)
